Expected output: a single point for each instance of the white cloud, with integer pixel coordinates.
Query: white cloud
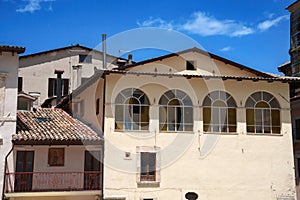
(205, 25)
(265, 25)
(228, 48)
(202, 24)
(32, 5)
(156, 22)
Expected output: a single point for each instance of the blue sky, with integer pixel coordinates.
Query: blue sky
(251, 32)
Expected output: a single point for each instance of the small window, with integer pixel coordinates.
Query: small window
(148, 166)
(20, 84)
(56, 157)
(297, 171)
(52, 87)
(190, 65)
(297, 129)
(85, 58)
(42, 119)
(97, 106)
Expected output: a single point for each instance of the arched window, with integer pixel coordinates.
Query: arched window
(263, 113)
(219, 112)
(175, 111)
(132, 110)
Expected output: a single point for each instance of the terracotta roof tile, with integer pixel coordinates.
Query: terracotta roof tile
(48, 124)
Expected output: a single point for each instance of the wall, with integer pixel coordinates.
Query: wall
(9, 64)
(36, 69)
(215, 166)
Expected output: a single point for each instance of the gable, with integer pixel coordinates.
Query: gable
(205, 64)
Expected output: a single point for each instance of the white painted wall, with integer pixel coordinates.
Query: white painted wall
(237, 166)
(9, 64)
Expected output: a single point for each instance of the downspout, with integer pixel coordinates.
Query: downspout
(103, 120)
(5, 167)
(104, 51)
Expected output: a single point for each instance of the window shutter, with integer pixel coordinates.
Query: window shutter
(65, 87)
(50, 87)
(138, 165)
(20, 84)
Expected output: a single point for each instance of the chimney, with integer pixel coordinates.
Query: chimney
(104, 50)
(129, 59)
(59, 85)
(77, 75)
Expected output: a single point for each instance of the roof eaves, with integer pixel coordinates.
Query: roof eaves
(17, 49)
(224, 77)
(65, 48)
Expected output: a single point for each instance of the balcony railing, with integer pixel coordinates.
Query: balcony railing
(52, 181)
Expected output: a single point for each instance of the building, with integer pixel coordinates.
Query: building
(292, 68)
(54, 156)
(37, 77)
(9, 63)
(191, 124)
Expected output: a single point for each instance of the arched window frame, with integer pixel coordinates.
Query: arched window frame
(219, 118)
(132, 110)
(175, 112)
(263, 114)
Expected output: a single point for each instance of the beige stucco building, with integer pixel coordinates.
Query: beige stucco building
(192, 122)
(36, 72)
(9, 63)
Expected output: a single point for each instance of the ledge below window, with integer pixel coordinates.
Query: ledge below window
(145, 184)
(265, 134)
(221, 133)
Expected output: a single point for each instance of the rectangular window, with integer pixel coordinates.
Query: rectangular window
(56, 157)
(297, 129)
(297, 166)
(85, 58)
(20, 84)
(97, 106)
(148, 166)
(52, 87)
(190, 65)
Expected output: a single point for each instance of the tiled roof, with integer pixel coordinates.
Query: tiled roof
(270, 78)
(52, 125)
(17, 49)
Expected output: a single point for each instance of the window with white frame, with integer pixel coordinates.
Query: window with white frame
(175, 111)
(148, 164)
(262, 113)
(131, 110)
(219, 112)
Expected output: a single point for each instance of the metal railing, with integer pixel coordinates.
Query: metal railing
(52, 181)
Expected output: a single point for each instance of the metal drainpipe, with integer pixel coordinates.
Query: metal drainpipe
(5, 166)
(104, 50)
(103, 120)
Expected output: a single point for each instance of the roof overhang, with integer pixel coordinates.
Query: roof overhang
(7, 48)
(189, 76)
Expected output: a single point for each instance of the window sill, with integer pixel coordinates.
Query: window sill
(132, 131)
(183, 132)
(145, 184)
(265, 134)
(221, 133)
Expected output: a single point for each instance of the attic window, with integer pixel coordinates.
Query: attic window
(85, 58)
(42, 119)
(190, 65)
